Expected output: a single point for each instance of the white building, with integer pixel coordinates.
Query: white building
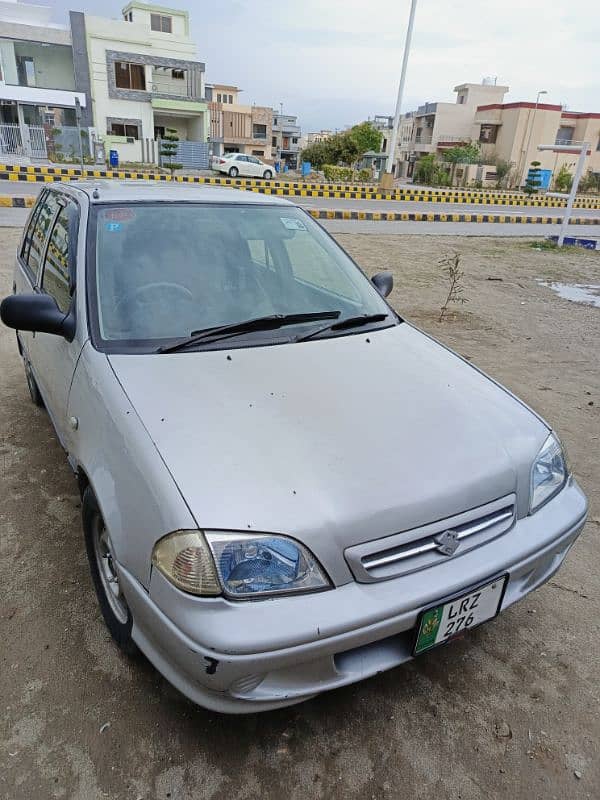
(38, 86)
(144, 78)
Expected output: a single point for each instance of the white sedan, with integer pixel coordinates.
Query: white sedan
(234, 164)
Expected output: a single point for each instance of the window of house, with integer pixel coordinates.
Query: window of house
(130, 76)
(259, 131)
(275, 121)
(294, 140)
(122, 129)
(598, 145)
(231, 98)
(564, 135)
(218, 98)
(55, 279)
(158, 22)
(488, 134)
(129, 17)
(178, 74)
(274, 141)
(260, 153)
(461, 99)
(25, 71)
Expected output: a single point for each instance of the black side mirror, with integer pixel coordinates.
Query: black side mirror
(36, 312)
(383, 282)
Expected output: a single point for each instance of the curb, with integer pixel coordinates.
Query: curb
(347, 192)
(392, 216)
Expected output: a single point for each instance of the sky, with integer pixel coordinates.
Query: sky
(337, 62)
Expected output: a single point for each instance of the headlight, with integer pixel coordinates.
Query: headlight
(239, 564)
(548, 474)
(251, 565)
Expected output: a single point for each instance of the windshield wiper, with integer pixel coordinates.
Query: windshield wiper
(349, 322)
(267, 323)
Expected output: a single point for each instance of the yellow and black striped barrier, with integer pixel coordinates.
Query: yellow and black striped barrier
(416, 216)
(7, 201)
(289, 189)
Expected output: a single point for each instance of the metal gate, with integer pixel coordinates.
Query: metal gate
(191, 155)
(25, 140)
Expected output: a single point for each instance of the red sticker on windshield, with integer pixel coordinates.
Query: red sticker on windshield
(119, 214)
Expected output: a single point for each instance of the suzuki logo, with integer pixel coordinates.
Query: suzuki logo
(447, 543)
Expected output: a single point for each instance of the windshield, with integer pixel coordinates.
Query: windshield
(164, 270)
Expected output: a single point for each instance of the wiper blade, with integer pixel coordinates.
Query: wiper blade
(271, 322)
(349, 322)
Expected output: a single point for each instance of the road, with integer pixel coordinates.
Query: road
(511, 711)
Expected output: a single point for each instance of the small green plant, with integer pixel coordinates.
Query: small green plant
(503, 169)
(563, 180)
(545, 244)
(534, 178)
(364, 175)
(333, 173)
(454, 274)
(168, 149)
(590, 182)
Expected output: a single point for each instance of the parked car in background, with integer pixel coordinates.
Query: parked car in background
(234, 164)
(286, 487)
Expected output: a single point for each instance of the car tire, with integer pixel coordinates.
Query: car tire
(233, 172)
(34, 392)
(113, 605)
(267, 175)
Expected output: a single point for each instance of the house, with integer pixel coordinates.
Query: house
(144, 78)
(38, 83)
(285, 140)
(235, 127)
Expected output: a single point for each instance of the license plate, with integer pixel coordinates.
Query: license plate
(444, 621)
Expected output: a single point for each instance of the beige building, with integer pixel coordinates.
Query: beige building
(235, 127)
(507, 131)
(513, 131)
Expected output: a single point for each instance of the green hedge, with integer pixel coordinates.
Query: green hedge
(340, 174)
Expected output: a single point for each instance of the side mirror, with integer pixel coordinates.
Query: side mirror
(36, 312)
(383, 282)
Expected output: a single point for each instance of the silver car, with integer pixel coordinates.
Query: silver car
(286, 487)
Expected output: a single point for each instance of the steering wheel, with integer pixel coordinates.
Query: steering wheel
(137, 295)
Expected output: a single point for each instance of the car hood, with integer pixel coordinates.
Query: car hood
(333, 441)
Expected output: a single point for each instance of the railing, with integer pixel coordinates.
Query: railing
(451, 137)
(423, 138)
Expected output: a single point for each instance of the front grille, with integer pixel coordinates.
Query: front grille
(421, 547)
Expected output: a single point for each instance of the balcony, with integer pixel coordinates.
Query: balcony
(423, 138)
(37, 66)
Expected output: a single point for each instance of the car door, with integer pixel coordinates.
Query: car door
(53, 358)
(241, 163)
(256, 165)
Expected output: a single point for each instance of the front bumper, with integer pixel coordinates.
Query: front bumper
(242, 657)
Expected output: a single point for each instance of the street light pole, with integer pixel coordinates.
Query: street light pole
(537, 102)
(394, 137)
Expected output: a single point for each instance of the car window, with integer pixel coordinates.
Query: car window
(163, 270)
(40, 232)
(26, 243)
(55, 278)
(253, 159)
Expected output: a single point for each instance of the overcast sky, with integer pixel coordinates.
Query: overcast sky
(336, 62)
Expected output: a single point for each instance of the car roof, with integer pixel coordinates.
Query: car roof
(100, 190)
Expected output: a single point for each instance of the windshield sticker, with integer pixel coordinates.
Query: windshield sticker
(292, 224)
(119, 214)
(113, 227)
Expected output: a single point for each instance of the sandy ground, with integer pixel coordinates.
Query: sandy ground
(512, 711)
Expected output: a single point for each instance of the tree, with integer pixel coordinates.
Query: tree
(168, 149)
(502, 170)
(366, 136)
(462, 154)
(590, 182)
(430, 172)
(563, 180)
(534, 178)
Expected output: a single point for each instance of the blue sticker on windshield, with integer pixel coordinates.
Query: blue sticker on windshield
(113, 226)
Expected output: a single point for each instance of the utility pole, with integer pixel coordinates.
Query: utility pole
(394, 137)
(537, 102)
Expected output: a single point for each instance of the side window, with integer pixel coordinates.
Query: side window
(26, 243)
(40, 231)
(55, 280)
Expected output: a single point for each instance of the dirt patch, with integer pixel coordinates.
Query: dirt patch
(511, 711)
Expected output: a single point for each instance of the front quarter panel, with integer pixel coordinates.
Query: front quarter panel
(138, 497)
